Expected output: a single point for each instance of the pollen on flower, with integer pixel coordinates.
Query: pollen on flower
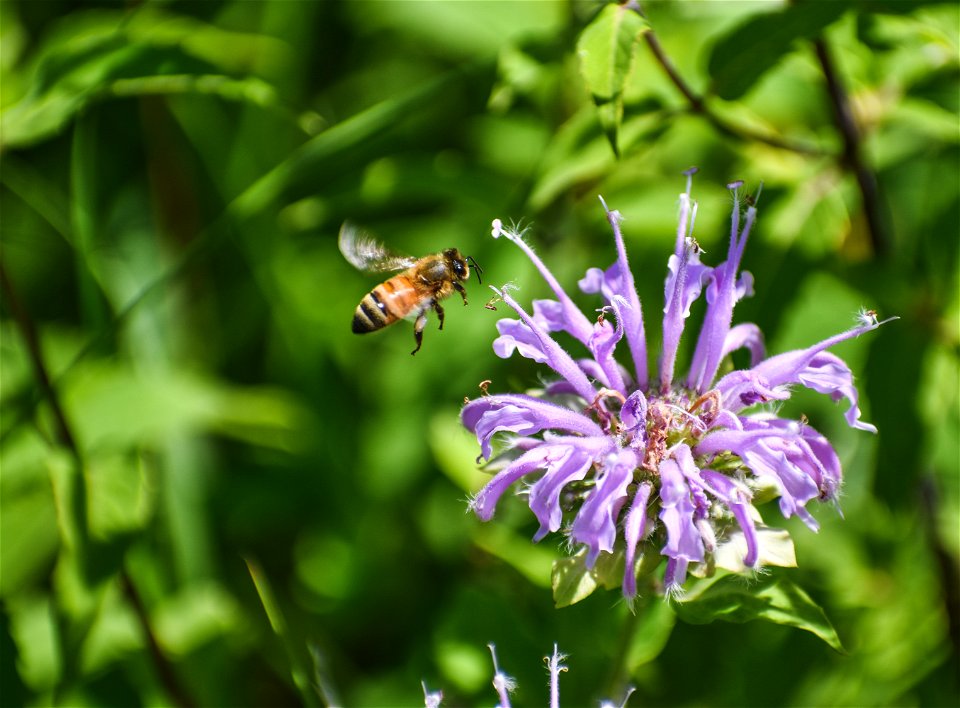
(639, 466)
(866, 317)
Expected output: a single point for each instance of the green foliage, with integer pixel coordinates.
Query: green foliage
(573, 581)
(230, 499)
(742, 56)
(732, 599)
(606, 49)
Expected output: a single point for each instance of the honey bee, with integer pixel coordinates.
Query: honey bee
(421, 286)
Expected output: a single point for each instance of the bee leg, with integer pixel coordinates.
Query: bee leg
(418, 326)
(460, 289)
(439, 311)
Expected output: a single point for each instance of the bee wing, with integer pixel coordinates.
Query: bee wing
(366, 253)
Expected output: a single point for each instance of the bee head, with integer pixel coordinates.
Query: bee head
(460, 264)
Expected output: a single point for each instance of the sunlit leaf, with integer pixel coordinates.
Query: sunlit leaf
(455, 451)
(572, 581)
(199, 614)
(119, 495)
(113, 634)
(109, 54)
(121, 408)
(27, 512)
(33, 626)
(532, 561)
(606, 50)
(775, 547)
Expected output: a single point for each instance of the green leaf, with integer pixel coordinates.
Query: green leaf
(775, 547)
(606, 50)
(741, 57)
(114, 408)
(454, 450)
(33, 626)
(530, 560)
(572, 581)
(655, 622)
(104, 54)
(120, 498)
(199, 614)
(732, 599)
(296, 660)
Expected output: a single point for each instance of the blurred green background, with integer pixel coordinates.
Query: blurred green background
(245, 504)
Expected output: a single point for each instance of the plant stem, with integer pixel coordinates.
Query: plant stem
(65, 437)
(61, 430)
(617, 679)
(699, 106)
(852, 157)
(160, 662)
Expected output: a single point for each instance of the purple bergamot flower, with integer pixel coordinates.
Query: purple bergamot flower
(626, 462)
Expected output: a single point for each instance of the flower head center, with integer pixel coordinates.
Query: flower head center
(653, 427)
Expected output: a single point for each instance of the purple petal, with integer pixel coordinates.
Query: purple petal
(794, 440)
(632, 312)
(596, 522)
(745, 336)
(723, 292)
(606, 282)
(589, 367)
(796, 488)
(685, 279)
(575, 322)
(523, 415)
(731, 440)
(609, 285)
(634, 528)
(740, 389)
(556, 358)
(676, 513)
(738, 500)
(778, 456)
(515, 335)
(561, 459)
(827, 373)
(829, 462)
(544, 494)
(484, 504)
(550, 314)
(805, 366)
(675, 574)
(633, 413)
(602, 344)
(684, 459)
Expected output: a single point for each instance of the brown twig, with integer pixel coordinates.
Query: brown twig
(698, 105)
(65, 437)
(852, 157)
(930, 511)
(160, 662)
(62, 430)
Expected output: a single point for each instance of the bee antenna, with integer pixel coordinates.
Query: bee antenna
(473, 261)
